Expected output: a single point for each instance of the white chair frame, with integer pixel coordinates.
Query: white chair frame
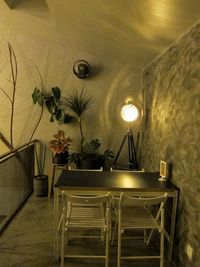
(129, 170)
(71, 169)
(74, 169)
(142, 219)
(86, 212)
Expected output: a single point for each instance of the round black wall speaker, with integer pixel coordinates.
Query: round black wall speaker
(81, 69)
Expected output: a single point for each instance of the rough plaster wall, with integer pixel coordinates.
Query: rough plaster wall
(171, 131)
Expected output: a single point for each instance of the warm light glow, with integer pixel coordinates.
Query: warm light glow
(130, 112)
(126, 180)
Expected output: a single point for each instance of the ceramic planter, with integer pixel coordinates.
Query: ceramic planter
(41, 185)
(91, 163)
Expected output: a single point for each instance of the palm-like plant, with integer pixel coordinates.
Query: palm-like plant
(79, 103)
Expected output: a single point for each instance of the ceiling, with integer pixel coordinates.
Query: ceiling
(128, 31)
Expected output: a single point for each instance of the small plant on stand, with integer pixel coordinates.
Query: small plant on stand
(60, 146)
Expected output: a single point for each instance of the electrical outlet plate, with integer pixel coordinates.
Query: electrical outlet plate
(189, 251)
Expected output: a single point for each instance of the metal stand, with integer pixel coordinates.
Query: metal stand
(131, 151)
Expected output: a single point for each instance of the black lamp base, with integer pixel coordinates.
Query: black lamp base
(132, 158)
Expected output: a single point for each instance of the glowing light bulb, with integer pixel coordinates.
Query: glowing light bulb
(130, 112)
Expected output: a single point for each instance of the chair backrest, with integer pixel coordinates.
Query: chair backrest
(143, 202)
(73, 169)
(118, 170)
(130, 200)
(87, 200)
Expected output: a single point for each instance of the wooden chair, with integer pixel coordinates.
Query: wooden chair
(85, 212)
(136, 213)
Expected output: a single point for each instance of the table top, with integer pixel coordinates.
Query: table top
(113, 181)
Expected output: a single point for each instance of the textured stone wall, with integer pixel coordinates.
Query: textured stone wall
(171, 131)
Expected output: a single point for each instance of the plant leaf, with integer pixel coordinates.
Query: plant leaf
(52, 118)
(56, 92)
(59, 114)
(51, 104)
(37, 96)
(79, 103)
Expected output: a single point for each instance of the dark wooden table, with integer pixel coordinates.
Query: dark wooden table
(98, 182)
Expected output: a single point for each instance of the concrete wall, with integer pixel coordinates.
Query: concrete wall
(171, 131)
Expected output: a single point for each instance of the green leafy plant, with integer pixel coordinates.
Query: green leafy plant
(60, 143)
(91, 147)
(91, 151)
(53, 103)
(79, 103)
(108, 154)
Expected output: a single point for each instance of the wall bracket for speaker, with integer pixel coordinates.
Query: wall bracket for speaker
(81, 69)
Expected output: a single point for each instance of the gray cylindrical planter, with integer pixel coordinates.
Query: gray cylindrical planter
(41, 185)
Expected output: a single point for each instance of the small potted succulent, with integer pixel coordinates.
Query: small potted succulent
(60, 146)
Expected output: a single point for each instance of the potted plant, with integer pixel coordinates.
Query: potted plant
(59, 146)
(53, 103)
(79, 103)
(40, 180)
(90, 157)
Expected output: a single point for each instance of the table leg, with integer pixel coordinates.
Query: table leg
(173, 223)
(51, 182)
(56, 211)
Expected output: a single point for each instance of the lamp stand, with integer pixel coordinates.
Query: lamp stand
(131, 151)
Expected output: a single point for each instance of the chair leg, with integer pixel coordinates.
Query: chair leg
(114, 232)
(150, 236)
(63, 238)
(107, 247)
(51, 182)
(145, 235)
(119, 240)
(162, 239)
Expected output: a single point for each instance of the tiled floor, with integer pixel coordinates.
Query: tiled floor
(28, 241)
